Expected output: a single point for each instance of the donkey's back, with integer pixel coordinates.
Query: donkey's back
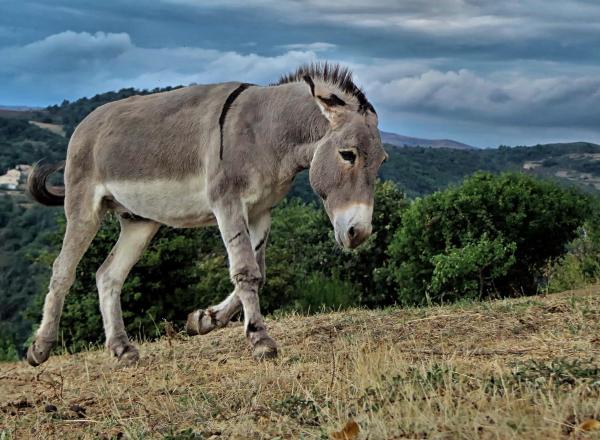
(162, 135)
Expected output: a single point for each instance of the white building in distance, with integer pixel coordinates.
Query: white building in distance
(15, 177)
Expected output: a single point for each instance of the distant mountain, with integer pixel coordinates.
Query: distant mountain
(18, 108)
(420, 171)
(407, 141)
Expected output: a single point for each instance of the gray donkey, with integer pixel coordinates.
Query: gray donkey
(196, 156)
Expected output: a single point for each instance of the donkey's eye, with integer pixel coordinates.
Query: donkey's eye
(348, 156)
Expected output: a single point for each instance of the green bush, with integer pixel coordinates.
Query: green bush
(581, 265)
(491, 236)
(8, 350)
(565, 273)
(320, 293)
(463, 271)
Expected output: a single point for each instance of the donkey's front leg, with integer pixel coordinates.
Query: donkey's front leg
(246, 276)
(201, 322)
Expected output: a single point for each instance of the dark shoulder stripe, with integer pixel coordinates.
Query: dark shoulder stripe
(226, 106)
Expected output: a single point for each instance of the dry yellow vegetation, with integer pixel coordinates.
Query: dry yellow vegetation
(526, 368)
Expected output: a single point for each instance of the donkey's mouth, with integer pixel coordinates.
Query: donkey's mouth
(353, 237)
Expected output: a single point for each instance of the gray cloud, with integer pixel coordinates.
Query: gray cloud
(487, 72)
(64, 52)
(547, 29)
(562, 101)
(81, 64)
(319, 46)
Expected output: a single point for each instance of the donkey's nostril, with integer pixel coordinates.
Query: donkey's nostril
(357, 234)
(351, 232)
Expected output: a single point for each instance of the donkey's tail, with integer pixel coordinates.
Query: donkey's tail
(38, 186)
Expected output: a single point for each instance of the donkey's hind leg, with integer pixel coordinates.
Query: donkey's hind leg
(201, 322)
(80, 232)
(133, 240)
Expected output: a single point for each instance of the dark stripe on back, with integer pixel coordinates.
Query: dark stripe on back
(228, 102)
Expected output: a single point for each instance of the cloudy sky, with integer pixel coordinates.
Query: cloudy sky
(482, 72)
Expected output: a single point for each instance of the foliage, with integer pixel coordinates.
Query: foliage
(69, 114)
(565, 273)
(24, 143)
(322, 293)
(23, 235)
(8, 350)
(581, 265)
(464, 270)
(491, 236)
(420, 171)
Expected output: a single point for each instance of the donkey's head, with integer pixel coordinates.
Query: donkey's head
(346, 161)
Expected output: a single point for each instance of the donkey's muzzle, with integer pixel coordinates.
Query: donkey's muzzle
(357, 235)
(353, 224)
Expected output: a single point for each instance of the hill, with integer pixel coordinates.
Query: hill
(420, 171)
(524, 368)
(399, 140)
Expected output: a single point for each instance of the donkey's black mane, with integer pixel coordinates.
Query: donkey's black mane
(334, 74)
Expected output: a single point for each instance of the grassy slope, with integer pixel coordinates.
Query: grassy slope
(461, 371)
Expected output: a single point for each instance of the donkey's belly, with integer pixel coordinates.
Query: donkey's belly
(179, 203)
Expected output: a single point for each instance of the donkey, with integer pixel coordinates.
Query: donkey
(222, 153)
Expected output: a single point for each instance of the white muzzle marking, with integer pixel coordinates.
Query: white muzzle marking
(352, 224)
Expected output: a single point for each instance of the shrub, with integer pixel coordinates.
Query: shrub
(8, 350)
(581, 265)
(490, 236)
(321, 293)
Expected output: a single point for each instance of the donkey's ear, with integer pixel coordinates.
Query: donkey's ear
(310, 83)
(330, 104)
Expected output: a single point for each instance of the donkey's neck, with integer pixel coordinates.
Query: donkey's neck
(295, 126)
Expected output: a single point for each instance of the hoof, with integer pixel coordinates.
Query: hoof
(129, 355)
(125, 352)
(38, 352)
(200, 322)
(265, 349)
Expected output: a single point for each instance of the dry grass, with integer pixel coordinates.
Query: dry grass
(521, 369)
